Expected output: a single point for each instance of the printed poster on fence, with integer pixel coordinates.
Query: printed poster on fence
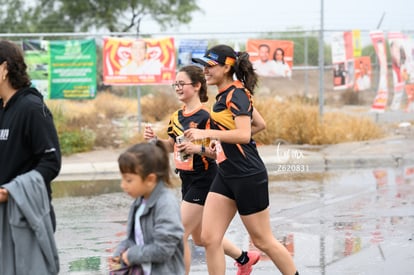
(191, 48)
(136, 61)
(343, 60)
(380, 101)
(271, 58)
(62, 69)
(363, 73)
(397, 42)
(356, 43)
(409, 90)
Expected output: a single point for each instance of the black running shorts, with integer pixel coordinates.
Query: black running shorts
(250, 192)
(196, 185)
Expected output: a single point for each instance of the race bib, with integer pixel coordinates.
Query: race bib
(220, 156)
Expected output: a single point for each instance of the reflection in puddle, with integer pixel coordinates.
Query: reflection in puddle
(85, 188)
(85, 264)
(353, 222)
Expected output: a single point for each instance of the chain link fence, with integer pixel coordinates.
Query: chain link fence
(305, 80)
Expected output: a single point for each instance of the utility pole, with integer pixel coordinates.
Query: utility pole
(380, 22)
(321, 66)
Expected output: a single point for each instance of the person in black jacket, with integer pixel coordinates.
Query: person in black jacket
(28, 137)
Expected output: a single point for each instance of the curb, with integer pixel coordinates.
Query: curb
(394, 152)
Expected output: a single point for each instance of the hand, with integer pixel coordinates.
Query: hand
(149, 133)
(188, 147)
(124, 257)
(114, 263)
(4, 195)
(194, 134)
(212, 145)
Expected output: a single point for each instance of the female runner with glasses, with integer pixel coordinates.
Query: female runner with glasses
(195, 162)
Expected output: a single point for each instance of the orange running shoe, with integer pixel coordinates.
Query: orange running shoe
(246, 269)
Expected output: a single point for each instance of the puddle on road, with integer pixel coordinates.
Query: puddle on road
(366, 214)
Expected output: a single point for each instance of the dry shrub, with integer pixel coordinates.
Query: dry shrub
(350, 97)
(100, 116)
(339, 127)
(112, 106)
(289, 122)
(298, 123)
(315, 177)
(70, 115)
(155, 107)
(91, 113)
(113, 121)
(160, 129)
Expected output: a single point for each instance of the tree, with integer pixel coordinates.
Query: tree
(19, 16)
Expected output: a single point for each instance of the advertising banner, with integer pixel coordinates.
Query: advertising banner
(356, 43)
(191, 48)
(271, 58)
(409, 90)
(343, 60)
(397, 42)
(380, 101)
(129, 61)
(363, 73)
(62, 69)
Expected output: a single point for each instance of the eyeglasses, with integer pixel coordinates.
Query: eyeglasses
(180, 85)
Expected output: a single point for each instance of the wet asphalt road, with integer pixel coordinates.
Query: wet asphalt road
(354, 221)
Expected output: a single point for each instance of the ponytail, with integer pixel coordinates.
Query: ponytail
(244, 71)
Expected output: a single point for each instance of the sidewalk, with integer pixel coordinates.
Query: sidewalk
(396, 151)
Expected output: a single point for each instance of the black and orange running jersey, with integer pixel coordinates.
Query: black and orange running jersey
(179, 122)
(241, 159)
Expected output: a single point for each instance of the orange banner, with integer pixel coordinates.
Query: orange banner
(363, 72)
(271, 58)
(138, 61)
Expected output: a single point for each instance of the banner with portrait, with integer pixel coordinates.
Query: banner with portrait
(397, 43)
(271, 58)
(191, 48)
(363, 73)
(62, 69)
(138, 61)
(380, 101)
(342, 46)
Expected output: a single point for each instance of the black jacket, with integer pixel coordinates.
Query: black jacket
(28, 138)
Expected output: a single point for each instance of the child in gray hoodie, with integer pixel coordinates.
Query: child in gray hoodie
(154, 230)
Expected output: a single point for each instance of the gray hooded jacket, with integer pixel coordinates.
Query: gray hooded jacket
(163, 234)
(27, 243)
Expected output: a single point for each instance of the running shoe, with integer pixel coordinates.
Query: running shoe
(247, 268)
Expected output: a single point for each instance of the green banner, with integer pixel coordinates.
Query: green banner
(63, 69)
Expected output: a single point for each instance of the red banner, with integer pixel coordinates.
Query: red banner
(138, 61)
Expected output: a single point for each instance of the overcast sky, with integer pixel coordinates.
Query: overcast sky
(274, 15)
